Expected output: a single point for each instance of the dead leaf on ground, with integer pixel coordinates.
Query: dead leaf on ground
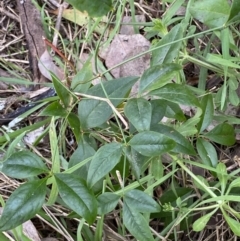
(46, 64)
(32, 136)
(124, 47)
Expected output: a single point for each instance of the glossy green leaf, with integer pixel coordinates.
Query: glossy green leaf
(201, 223)
(158, 110)
(150, 143)
(94, 112)
(176, 93)
(23, 204)
(233, 224)
(139, 111)
(95, 8)
(82, 80)
(234, 11)
(63, 93)
(74, 192)
(213, 13)
(168, 53)
(136, 161)
(157, 76)
(182, 144)
(141, 202)
(24, 164)
(174, 111)
(74, 123)
(54, 109)
(208, 111)
(222, 134)
(107, 202)
(105, 159)
(136, 223)
(207, 152)
(84, 151)
(222, 176)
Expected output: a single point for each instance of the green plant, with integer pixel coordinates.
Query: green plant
(124, 150)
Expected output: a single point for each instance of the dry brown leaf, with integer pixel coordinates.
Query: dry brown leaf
(46, 64)
(124, 47)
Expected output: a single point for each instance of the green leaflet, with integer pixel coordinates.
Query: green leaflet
(23, 204)
(150, 143)
(105, 159)
(139, 112)
(95, 8)
(24, 164)
(93, 112)
(214, 13)
(75, 193)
